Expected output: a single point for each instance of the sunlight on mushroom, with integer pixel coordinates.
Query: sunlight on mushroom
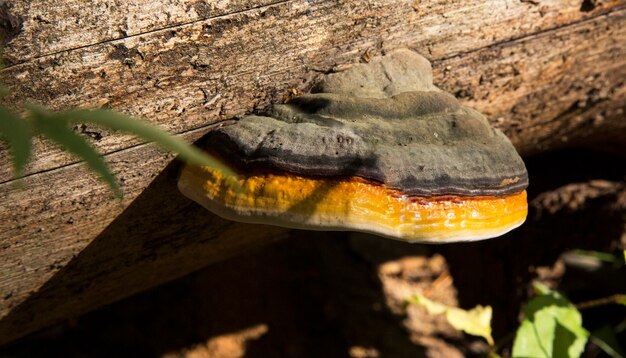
(378, 149)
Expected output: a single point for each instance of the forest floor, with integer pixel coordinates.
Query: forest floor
(322, 294)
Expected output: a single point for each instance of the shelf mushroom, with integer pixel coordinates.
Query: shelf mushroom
(378, 149)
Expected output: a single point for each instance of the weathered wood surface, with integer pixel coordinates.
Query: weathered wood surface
(549, 75)
(178, 77)
(73, 24)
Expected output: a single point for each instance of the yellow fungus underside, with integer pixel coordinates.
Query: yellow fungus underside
(351, 204)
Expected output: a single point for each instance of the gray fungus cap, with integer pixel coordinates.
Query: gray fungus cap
(383, 121)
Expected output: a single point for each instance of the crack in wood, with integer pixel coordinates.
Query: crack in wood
(530, 35)
(143, 33)
(143, 144)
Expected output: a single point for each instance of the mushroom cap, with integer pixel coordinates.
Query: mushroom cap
(383, 121)
(366, 149)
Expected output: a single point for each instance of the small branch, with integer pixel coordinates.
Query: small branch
(617, 298)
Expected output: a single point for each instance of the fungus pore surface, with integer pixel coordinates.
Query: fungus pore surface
(378, 149)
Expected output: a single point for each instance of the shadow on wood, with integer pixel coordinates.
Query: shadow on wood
(160, 236)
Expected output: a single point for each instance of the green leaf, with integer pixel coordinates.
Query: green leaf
(541, 289)
(552, 328)
(148, 132)
(606, 340)
(55, 127)
(476, 321)
(620, 299)
(17, 133)
(598, 255)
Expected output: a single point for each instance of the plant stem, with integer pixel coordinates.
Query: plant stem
(601, 301)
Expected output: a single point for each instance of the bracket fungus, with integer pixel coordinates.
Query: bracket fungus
(377, 148)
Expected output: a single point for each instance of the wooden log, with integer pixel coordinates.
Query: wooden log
(445, 26)
(177, 77)
(548, 75)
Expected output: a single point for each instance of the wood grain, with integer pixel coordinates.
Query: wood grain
(72, 24)
(549, 75)
(556, 89)
(450, 25)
